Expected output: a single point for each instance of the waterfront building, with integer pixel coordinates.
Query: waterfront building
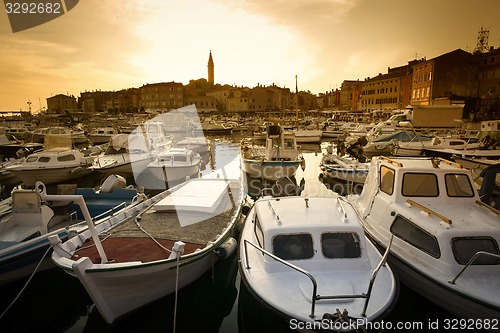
(488, 82)
(162, 96)
(61, 103)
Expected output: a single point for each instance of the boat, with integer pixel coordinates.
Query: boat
(56, 165)
(11, 147)
(198, 145)
(416, 148)
(171, 167)
(210, 126)
(446, 240)
(124, 154)
(162, 245)
(25, 232)
(308, 260)
(344, 168)
(307, 135)
(489, 192)
(101, 135)
(57, 136)
(279, 158)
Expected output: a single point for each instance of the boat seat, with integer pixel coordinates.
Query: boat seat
(28, 211)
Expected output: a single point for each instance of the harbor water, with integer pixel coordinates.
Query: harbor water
(217, 302)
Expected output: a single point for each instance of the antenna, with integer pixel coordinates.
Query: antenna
(482, 41)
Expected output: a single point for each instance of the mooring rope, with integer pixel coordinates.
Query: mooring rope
(26, 284)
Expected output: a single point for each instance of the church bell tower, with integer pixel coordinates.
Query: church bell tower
(210, 69)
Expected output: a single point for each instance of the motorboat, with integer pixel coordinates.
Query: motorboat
(102, 135)
(308, 260)
(345, 168)
(446, 240)
(58, 136)
(25, 231)
(52, 166)
(171, 167)
(162, 245)
(280, 157)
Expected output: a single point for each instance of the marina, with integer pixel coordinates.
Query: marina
(217, 298)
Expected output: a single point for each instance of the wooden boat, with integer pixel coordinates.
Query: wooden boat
(24, 234)
(446, 240)
(308, 260)
(162, 245)
(56, 165)
(279, 158)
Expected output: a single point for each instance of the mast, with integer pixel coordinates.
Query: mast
(296, 104)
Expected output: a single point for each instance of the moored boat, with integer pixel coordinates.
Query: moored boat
(446, 241)
(308, 260)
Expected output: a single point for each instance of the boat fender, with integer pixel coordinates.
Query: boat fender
(227, 248)
(245, 210)
(203, 165)
(303, 164)
(76, 170)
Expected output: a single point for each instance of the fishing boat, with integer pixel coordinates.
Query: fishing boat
(56, 165)
(308, 260)
(25, 232)
(279, 158)
(446, 240)
(162, 245)
(171, 167)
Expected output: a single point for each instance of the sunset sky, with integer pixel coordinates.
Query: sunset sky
(117, 44)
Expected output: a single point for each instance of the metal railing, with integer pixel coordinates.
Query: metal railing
(316, 297)
(479, 253)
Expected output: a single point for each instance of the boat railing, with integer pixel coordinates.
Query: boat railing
(477, 255)
(316, 297)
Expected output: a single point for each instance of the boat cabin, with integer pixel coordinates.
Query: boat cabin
(333, 237)
(280, 145)
(431, 207)
(177, 157)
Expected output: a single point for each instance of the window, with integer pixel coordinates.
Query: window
(421, 239)
(31, 159)
(386, 180)
(44, 159)
(420, 185)
(65, 158)
(340, 245)
(465, 248)
(293, 246)
(458, 185)
(180, 158)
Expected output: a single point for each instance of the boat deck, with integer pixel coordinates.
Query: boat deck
(128, 242)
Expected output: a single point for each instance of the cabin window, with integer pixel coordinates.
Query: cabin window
(31, 159)
(293, 246)
(340, 245)
(66, 158)
(152, 129)
(386, 180)
(421, 239)
(420, 185)
(180, 158)
(288, 143)
(44, 159)
(465, 248)
(458, 185)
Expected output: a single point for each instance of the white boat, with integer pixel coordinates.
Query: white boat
(52, 166)
(446, 241)
(124, 154)
(198, 145)
(171, 167)
(344, 168)
(416, 148)
(279, 158)
(58, 136)
(102, 135)
(24, 234)
(210, 126)
(308, 260)
(308, 135)
(162, 245)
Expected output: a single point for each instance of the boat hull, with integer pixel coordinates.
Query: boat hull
(50, 176)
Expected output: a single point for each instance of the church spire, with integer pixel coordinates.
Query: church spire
(210, 69)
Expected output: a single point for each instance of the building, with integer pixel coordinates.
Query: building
(211, 66)
(350, 95)
(162, 96)
(61, 103)
(488, 83)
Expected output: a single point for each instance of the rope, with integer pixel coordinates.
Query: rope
(151, 236)
(27, 282)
